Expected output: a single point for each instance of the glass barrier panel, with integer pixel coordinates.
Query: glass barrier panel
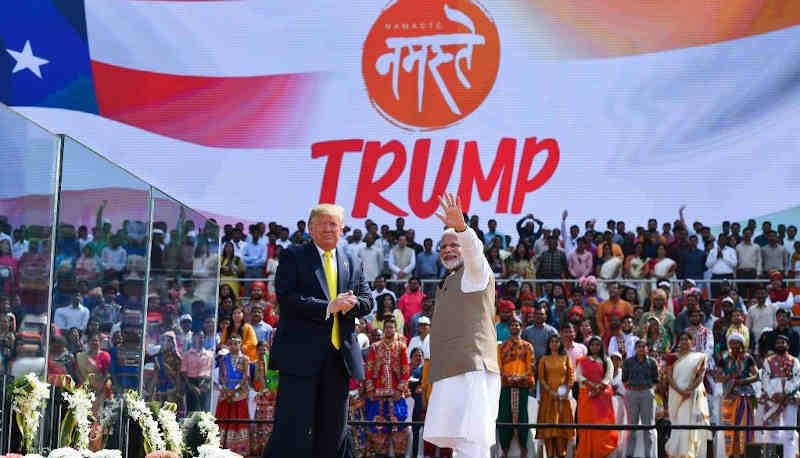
(182, 306)
(100, 271)
(28, 183)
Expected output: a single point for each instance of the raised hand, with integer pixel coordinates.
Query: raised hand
(451, 214)
(564, 215)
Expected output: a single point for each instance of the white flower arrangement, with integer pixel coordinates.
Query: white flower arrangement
(28, 396)
(80, 402)
(33, 455)
(106, 453)
(209, 429)
(108, 415)
(211, 451)
(173, 435)
(65, 452)
(140, 413)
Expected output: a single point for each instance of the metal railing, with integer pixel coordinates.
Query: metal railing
(663, 428)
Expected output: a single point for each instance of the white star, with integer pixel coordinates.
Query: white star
(26, 60)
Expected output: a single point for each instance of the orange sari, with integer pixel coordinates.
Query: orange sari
(595, 410)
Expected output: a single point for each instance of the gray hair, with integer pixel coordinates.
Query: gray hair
(448, 231)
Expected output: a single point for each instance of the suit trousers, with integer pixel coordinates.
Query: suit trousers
(311, 412)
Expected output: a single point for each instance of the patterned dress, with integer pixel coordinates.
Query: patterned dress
(387, 387)
(232, 404)
(516, 371)
(265, 383)
(738, 402)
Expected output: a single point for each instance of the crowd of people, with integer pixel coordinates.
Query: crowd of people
(593, 325)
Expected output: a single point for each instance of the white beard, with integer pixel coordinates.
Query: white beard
(453, 264)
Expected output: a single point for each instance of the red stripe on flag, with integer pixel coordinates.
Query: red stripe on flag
(229, 112)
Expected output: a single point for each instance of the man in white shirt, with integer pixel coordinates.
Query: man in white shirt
(114, 257)
(761, 315)
(354, 244)
(422, 340)
(84, 237)
(788, 242)
(283, 240)
(71, 316)
(20, 245)
(626, 346)
(402, 259)
(569, 240)
(721, 262)
(748, 267)
(371, 256)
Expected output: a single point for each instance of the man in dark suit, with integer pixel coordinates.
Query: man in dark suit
(321, 290)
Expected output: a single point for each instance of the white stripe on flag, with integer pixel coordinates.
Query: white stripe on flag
(248, 38)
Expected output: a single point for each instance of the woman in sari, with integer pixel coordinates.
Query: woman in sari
(594, 373)
(388, 306)
(687, 401)
(658, 340)
(737, 372)
(634, 270)
(265, 384)
(168, 383)
(93, 366)
(555, 380)
(661, 268)
(231, 268)
(234, 379)
(609, 269)
(497, 264)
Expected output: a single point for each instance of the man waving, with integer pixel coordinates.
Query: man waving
(463, 368)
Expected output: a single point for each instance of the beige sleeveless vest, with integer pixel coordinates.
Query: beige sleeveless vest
(463, 336)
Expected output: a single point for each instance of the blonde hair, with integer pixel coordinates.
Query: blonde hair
(658, 292)
(327, 209)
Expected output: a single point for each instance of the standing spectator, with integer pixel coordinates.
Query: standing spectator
(570, 240)
(301, 229)
(260, 327)
(737, 372)
(552, 264)
(763, 238)
(773, 255)
(538, 333)
(474, 223)
(503, 327)
(761, 315)
(780, 380)
(422, 339)
(778, 293)
(196, 369)
(239, 327)
(580, 261)
(520, 264)
(428, 264)
(640, 376)
(489, 236)
(231, 269)
(614, 305)
(371, 256)
(525, 229)
(749, 265)
(685, 378)
(634, 269)
(692, 260)
(702, 337)
(555, 376)
(594, 374)
(354, 243)
(410, 303)
(736, 326)
(75, 315)
(402, 259)
(265, 384)
(515, 357)
(783, 327)
(19, 246)
(616, 250)
(283, 239)
(427, 311)
(254, 256)
(722, 262)
(625, 343)
(379, 289)
(609, 268)
(114, 259)
(386, 385)
(234, 376)
(573, 349)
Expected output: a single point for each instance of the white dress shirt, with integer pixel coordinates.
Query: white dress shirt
(725, 265)
(425, 345)
(629, 344)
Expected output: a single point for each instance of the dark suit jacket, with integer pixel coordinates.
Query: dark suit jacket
(303, 337)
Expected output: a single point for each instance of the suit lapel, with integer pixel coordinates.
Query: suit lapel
(343, 271)
(316, 265)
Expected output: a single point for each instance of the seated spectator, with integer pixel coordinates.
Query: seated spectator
(783, 328)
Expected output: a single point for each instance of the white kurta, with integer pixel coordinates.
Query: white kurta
(462, 409)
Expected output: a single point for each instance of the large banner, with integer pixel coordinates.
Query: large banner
(256, 110)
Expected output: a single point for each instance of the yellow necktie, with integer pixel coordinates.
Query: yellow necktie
(330, 276)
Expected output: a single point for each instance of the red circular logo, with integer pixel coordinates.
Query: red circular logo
(428, 64)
